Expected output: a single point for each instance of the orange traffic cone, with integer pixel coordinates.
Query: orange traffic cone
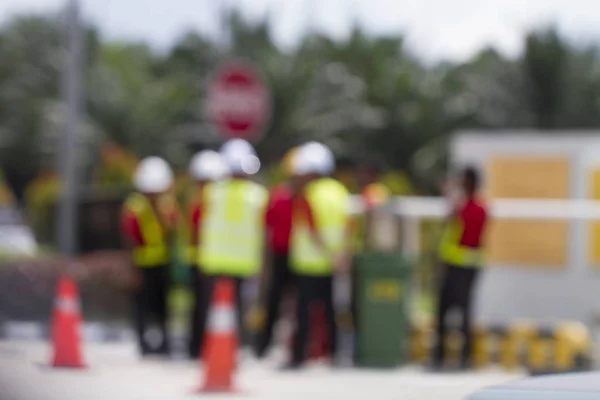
(220, 355)
(66, 326)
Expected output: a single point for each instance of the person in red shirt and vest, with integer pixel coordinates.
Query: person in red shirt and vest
(279, 228)
(149, 219)
(461, 257)
(206, 166)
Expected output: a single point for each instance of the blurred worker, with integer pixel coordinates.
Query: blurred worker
(148, 220)
(373, 194)
(206, 166)
(279, 228)
(232, 228)
(461, 257)
(373, 191)
(318, 242)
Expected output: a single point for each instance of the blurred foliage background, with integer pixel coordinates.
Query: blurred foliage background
(363, 96)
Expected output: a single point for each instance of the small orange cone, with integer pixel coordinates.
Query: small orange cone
(220, 355)
(66, 326)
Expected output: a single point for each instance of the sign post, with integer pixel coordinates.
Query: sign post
(239, 102)
(68, 205)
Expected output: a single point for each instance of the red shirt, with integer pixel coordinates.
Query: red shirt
(282, 210)
(473, 217)
(196, 219)
(130, 227)
(279, 218)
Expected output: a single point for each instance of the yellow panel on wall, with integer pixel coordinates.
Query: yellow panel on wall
(594, 244)
(529, 243)
(529, 178)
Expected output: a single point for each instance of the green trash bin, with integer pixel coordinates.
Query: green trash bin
(383, 322)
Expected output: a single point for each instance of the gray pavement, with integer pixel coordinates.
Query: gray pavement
(117, 373)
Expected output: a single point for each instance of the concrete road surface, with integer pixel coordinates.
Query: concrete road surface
(117, 373)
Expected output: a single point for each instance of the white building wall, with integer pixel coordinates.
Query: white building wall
(545, 295)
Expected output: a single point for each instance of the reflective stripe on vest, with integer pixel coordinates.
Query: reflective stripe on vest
(453, 253)
(155, 251)
(329, 202)
(67, 305)
(222, 320)
(232, 233)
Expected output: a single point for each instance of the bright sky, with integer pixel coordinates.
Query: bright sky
(435, 29)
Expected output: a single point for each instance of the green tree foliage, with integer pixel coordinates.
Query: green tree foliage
(363, 95)
(545, 63)
(31, 50)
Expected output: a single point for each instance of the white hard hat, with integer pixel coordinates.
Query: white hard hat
(208, 165)
(314, 158)
(240, 157)
(153, 175)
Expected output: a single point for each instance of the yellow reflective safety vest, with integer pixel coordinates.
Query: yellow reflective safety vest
(453, 253)
(155, 250)
(232, 228)
(374, 195)
(329, 201)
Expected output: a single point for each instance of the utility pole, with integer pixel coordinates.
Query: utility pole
(67, 222)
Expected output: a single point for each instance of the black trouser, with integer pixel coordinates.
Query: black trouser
(310, 291)
(354, 293)
(456, 291)
(279, 281)
(196, 278)
(150, 300)
(207, 283)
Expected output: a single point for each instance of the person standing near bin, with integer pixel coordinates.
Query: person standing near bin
(373, 194)
(318, 245)
(232, 228)
(206, 166)
(149, 219)
(279, 227)
(461, 257)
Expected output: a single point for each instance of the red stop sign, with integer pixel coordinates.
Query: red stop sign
(239, 102)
